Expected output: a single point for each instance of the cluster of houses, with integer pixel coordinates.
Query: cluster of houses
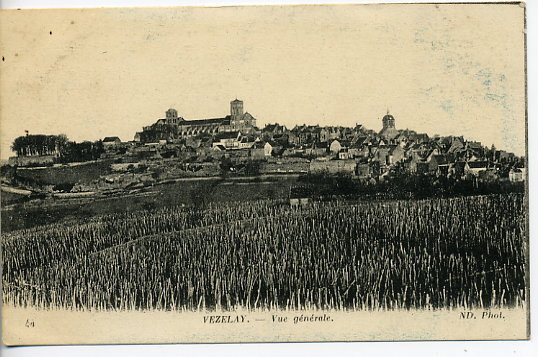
(357, 151)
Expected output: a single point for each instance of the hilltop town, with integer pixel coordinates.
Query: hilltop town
(233, 146)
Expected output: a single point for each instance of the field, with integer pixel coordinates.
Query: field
(80, 172)
(196, 192)
(435, 254)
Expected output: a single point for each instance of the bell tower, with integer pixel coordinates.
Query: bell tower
(388, 121)
(236, 108)
(171, 113)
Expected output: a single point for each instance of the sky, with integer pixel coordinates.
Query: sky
(441, 69)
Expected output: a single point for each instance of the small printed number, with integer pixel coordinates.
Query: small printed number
(29, 323)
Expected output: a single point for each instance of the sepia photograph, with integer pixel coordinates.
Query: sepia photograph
(276, 173)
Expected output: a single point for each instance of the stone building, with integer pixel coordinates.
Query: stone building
(111, 141)
(175, 127)
(389, 127)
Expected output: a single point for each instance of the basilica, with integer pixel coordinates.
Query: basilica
(173, 127)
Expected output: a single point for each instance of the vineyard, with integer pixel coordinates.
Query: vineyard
(436, 253)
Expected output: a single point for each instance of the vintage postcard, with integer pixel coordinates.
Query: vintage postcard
(264, 174)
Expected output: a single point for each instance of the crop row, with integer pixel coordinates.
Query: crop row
(440, 253)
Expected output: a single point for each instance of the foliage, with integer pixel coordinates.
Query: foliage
(225, 165)
(58, 145)
(80, 152)
(39, 144)
(401, 184)
(249, 168)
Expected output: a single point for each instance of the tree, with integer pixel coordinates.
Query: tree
(78, 152)
(39, 144)
(225, 165)
(252, 168)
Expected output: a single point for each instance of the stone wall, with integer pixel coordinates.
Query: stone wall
(31, 160)
(333, 166)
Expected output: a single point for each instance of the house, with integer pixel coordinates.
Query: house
(453, 144)
(406, 134)
(438, 164)
(358, 130)
(268, 149)
(257, 151)
(317, 149)
(474, 145)
(380, 154)
(329, 133)
(504, 156)
(516, 175)
(458, 169)
(358, 150)
(273, 130)
(471, 155)
(337, 145)
(111, 141)
(359, 140)
(246, 142)
(475, 167)
(230, 140)
(387, 154)
(421, 138)
(293, 138)
(396, 154)
(401, 140)
(347, 134)
(344, 154)
(304, 134)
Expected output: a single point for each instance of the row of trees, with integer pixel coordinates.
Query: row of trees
(59, 146)
(31, 145)
(79, 152)
(403, 185)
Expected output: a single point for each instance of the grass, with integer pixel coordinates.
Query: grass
(44, 212)
(82, 173)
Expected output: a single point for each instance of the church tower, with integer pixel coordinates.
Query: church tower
(389, 131)
(171, 114)
(236, 108)
(388, 122)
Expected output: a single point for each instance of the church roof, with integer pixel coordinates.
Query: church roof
(202, 121)
(211, 121)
